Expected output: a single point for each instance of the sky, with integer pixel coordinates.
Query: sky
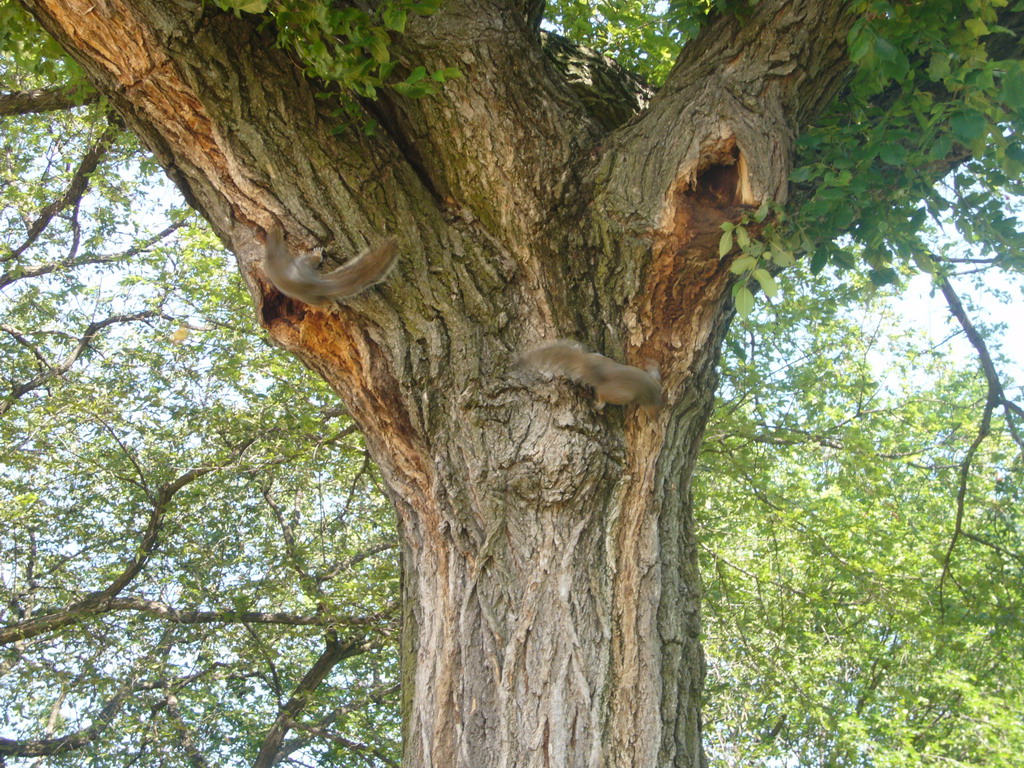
(1002, 323)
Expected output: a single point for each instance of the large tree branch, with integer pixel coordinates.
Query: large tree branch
(745, 86)
(717, 139)
(51, 371)
(995, 397)
(161, 610)
(335, 650)
(100, 722)
(610, 94)
(499, 140)
(72, 741)
(76, 188)
(44, 100)
(185, 736)
(173, 615)
(231, 143)
(101, 600)
(534, 12)
(37, 270)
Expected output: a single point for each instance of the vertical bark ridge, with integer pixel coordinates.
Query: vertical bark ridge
(681, 664)
(636, 592)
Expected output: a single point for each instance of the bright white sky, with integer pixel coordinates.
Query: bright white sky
(927, 309)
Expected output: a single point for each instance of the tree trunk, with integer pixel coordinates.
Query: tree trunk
(550, 579)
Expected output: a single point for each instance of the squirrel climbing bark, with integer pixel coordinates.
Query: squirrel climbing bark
(612, 382)
(300, 279)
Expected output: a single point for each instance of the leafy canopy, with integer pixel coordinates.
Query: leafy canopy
(139, 395)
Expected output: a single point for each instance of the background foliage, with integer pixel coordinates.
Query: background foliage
(830, 474)
(189, 522)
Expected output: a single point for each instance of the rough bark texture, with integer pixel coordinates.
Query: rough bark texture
(551, 589)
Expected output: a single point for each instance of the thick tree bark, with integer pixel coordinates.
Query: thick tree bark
(551, 588)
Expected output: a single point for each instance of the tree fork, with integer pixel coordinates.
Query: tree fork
(549, 558)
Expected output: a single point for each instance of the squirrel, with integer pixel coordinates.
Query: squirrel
(300, 279)
(612, 382)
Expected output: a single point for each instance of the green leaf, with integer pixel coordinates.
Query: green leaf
(440, 75)
(1012, 92)
(247, 6)
(982, 79)
(860, 41)
(977, 27)
(743, 264)
(803, 173)
(425, 8)
(924, 263)
(762, 212)
(412, 91)
(1015, 152)
(819, 259)
(844, 216)
(783, 258)
(395, 18)
(941, 148)
(886, 276)
(742, 237)
(767, 282)
(893, 154)
(897, 66)
(938, 66)
(744, 301)
(886, 50)
(725, 244)
(379, 47)
(968, 125)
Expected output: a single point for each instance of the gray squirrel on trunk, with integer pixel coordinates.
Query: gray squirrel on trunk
(612, 382)
(300, 279)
